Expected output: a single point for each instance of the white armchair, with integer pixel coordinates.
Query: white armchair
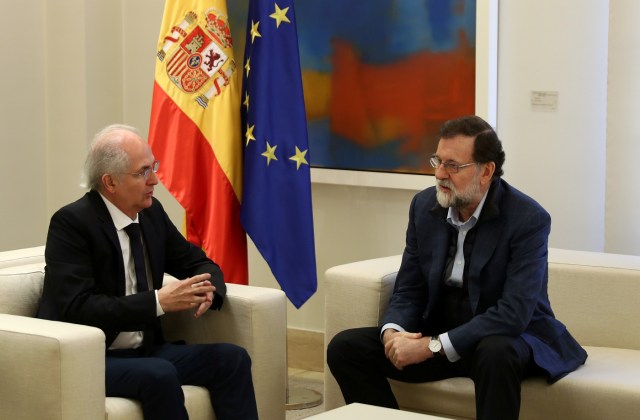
(596, 295)
(55, 370)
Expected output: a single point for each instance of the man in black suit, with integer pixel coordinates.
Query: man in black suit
(470, 298)
(94, 277)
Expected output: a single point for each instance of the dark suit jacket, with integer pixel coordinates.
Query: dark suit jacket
(84, 276)
(506, 276)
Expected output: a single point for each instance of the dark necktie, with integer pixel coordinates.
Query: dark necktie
(135, 239)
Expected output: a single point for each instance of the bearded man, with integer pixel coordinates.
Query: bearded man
(470, 298)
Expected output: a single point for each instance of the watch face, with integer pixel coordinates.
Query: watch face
(435, 345)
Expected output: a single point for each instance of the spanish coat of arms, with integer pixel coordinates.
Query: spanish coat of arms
(195, 56)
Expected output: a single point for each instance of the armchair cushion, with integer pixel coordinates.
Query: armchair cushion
(20, 257)
(20, 290)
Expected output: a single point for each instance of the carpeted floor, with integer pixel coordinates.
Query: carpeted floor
(304, 383)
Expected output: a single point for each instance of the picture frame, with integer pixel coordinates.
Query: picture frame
(485, 107)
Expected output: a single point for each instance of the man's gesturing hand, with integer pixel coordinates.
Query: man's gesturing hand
(193, 292)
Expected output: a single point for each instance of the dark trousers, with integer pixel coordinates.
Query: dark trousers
(356, 359)
(156, 380)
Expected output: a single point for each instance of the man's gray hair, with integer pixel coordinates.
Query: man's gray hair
(106, 156)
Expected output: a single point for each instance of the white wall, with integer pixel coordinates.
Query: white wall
(85, 63)
(23, 163)
(556, 156)
(622, 199)
(83, 85)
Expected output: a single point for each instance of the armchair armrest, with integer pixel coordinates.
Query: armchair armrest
(254, 318)
(18, 257)
(356, 295)
(50, 369)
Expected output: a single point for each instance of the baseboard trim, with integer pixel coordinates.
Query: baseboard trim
(305, 349)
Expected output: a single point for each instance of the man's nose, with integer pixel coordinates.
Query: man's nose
(440, 172)
(152, 179)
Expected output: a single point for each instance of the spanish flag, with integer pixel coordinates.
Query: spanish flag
(195, 128)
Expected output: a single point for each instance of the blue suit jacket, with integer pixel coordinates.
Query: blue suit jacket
(84, 276)
(506, 276)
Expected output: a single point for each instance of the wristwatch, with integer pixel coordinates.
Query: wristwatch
(435, 345)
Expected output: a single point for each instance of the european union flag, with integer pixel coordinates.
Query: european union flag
(276, 201)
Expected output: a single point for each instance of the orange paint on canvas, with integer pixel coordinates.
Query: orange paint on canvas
(375, 104)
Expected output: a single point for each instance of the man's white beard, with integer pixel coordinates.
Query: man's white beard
(457, 199)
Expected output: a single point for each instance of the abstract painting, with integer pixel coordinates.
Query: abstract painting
(380, 77)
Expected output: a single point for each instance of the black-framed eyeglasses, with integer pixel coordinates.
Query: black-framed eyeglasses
(146, 171)
(450, 167)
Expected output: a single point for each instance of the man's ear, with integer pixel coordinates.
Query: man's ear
(108, 182)
(487, 172)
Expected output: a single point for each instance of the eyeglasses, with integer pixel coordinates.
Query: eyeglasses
(450, 167)
(146, 171)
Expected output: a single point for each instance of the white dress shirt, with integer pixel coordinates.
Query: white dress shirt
(129, 339)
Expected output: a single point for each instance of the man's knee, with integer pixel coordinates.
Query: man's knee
(339, 346)
(353, 344)
(502, 345)
(159, 373)
(338, 341)
(235, 357)
(500, 351)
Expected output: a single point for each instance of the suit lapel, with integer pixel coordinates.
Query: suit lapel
(441, 236)
(489, 230)
(110, 232)
(105, 218)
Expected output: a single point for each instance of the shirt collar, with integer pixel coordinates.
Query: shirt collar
(120, 220)
(454, 219)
